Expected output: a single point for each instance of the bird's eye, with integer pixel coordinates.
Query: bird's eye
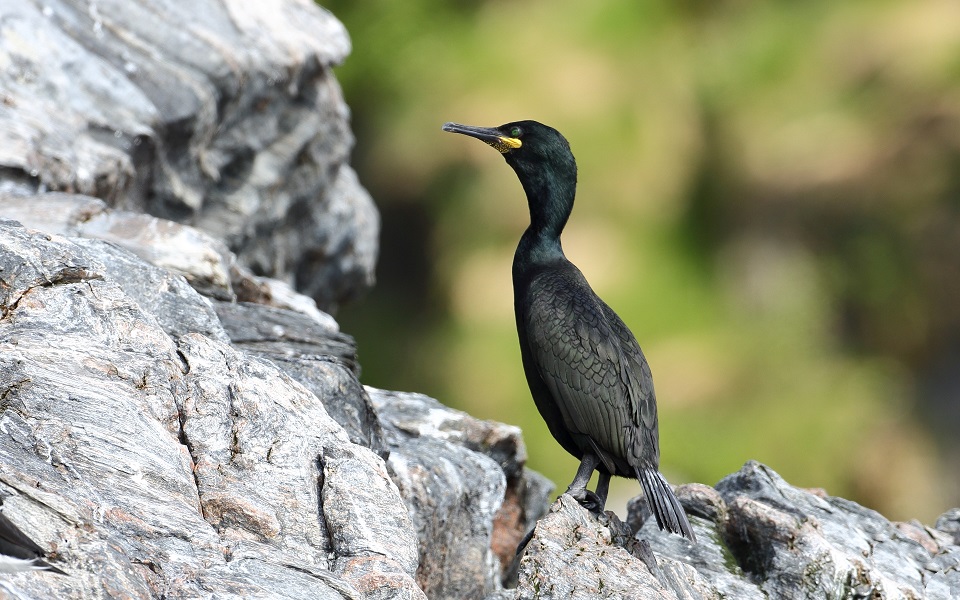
(516, 132)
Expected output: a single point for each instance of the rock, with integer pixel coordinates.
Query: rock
(53, 212)
(163, 443)
(466, 490)
(376, 547)
(759, 537)
(203, 260)
(762, 537)
(219, 114)
(168, 462)
(271, 292)
(89, 423)
(949, 523)
(796, 542)
(573, 555)
(313, 353)
(332, 240)
(167, 296)
(283, 333)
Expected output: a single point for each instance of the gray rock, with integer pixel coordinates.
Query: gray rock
(949, 523)
(374, 543)
(277, 332)
(313, 353)
(466, 490)
(170, 463)
(272, 292)
(337, 228)
(205, 262)
(53, 212)
(573, 554)
(793, 541)
(217, 114)
(761, 537)
(89, 426)
(178, 308)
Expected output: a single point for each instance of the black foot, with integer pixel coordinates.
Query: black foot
(590, 501)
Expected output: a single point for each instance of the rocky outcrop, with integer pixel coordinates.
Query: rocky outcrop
(164, 443)
(220, 114)
(758, 537)
(168, 443)
(175, 424)
(160, 443)
(467, 492)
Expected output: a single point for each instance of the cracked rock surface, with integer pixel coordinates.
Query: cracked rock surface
(165, 444)
(467, 492)
(200, 467)
(759, 537)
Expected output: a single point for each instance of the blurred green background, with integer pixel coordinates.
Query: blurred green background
(769, 196)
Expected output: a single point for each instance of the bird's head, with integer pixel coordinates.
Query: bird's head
(522, 143)
(542, 159)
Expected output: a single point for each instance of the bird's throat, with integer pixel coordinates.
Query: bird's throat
(550, 202)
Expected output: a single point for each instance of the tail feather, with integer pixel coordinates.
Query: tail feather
(20, 553)
(664, 504)
(45, 566)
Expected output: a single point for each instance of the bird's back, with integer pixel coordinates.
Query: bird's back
(586, 367)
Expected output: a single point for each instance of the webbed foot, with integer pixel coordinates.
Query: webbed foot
(589, 500)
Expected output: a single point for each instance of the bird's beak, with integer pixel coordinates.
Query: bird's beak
(489, 135)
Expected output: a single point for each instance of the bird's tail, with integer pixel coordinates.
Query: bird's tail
(42, 565)
(664, 504)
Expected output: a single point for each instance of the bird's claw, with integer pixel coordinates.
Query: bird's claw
(589, 500)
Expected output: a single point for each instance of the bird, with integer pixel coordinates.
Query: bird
(19, 553)
(586, 372)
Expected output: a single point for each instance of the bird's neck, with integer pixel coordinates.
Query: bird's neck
(550, 194)
(550, 206)
(535, 250)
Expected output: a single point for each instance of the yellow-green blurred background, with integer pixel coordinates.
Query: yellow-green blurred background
(769, 196)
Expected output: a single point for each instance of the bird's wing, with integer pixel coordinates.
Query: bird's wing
(594, 369)
(643, 439)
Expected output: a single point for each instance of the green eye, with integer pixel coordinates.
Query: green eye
(516, 132)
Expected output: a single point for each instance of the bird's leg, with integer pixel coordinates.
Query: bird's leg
(603, 488)
(578, 487)
(588, 465)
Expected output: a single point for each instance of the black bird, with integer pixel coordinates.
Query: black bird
(586, 372)
(20, 553)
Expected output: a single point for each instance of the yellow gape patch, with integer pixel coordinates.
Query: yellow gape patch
(505, 144)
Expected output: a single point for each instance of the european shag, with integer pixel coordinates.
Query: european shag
(20, 553)
(586, 372)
